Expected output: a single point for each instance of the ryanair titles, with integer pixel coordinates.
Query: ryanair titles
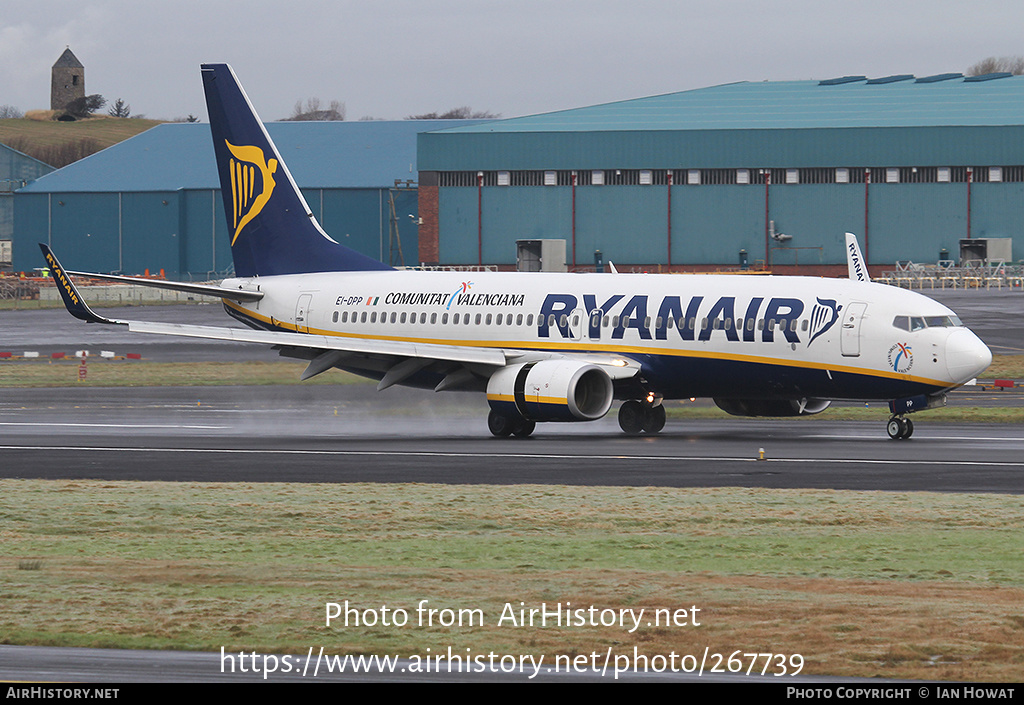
(693, 318)
(459, 299)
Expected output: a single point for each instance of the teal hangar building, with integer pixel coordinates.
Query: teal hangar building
(771, 174)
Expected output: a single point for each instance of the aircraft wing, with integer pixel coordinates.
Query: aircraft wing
(327, 350)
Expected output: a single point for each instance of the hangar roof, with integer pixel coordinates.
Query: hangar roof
(364, 154)
(942, 100)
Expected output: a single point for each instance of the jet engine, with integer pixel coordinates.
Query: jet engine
(551, 390)
(772, 407)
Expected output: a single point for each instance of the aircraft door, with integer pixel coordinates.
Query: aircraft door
(302, 313)
(578, 324)
(850, 338)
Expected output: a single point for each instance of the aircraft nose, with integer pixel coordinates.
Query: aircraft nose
(966, 356)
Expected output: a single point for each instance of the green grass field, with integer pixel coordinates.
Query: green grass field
(895, 585)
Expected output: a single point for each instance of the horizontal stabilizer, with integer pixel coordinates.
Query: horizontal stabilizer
(202, 289)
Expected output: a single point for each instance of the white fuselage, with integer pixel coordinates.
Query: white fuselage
(694, 335)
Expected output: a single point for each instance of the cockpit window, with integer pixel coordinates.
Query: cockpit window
(916, 323)
(942, 321)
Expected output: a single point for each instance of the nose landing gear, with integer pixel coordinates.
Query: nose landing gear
(899, 428)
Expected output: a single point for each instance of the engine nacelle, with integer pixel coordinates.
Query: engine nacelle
(551, 390)
(772, 407)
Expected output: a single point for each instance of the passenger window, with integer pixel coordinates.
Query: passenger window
(373, 317)
(433, 318)
(394, 316)
(669, 323)
(478, 316)
(563, 321)
(529, 320)
(497, 320)
(335, 317)
(488, 321)
(519, 319)
(455, 319)
(750, 324)
(803, 325)
(402, 320)
(362, 319)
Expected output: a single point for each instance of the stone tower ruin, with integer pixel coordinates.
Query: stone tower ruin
(67, 80)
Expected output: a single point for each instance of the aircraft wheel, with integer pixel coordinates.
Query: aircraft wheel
(654, 419)
(631, 417)
(899, 428)
(499, 424)
(523, 428)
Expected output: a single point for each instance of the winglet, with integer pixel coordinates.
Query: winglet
(855, 261)
(73, 300)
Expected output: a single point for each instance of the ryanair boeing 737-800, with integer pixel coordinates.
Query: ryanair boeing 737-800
(555, 347)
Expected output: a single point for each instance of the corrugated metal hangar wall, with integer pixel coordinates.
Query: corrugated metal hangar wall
(153, 202)
(687, 180)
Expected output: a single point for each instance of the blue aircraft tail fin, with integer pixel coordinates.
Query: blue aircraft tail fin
(271, 228)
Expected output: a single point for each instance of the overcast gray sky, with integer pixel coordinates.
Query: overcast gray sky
(391, 58)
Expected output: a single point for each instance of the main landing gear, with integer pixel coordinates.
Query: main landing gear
(636, 417)
(503, 426)
(900, 428)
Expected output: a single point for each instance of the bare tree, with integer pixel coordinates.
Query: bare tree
(312, 110)
(463, 113)
(9, 111)
(998, 64)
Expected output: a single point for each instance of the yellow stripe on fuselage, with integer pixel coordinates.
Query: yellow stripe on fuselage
(596, 347)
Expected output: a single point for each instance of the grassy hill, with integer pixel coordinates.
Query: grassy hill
(60, 143)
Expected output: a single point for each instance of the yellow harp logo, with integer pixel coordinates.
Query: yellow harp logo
(246, 200)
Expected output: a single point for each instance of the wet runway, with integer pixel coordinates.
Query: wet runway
(351, 433)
